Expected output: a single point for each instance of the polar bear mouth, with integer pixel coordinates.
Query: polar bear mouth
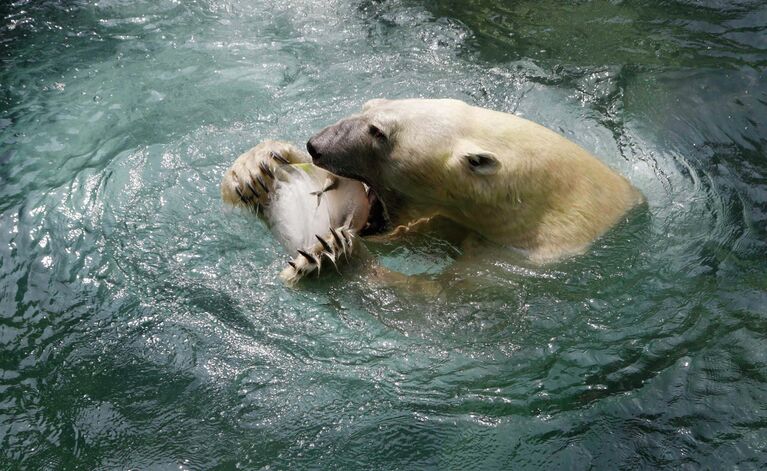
(378, 221)
(378, 215)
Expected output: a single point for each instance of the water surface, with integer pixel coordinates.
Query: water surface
(142, 326)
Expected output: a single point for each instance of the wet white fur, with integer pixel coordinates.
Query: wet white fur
(532, 189)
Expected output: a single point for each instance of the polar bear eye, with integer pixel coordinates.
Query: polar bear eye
(376, 132)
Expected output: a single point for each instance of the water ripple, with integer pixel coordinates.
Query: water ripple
(142, 326)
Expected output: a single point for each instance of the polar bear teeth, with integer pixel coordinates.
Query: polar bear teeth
(331, 247)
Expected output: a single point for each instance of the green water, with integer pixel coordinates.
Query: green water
(144, 327)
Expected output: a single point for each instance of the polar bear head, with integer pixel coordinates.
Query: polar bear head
(421, 157)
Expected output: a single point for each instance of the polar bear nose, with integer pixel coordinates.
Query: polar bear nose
(313, 151)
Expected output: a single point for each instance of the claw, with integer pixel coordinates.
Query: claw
(309, 257)
(257, 179)
(347, 235)
(332, 259)
(279, 158)
(253, 190)
(237, 188)
(336, 237)
(262, 183)
(324, 243)
(348, 241)
(289, 169)
(266, 170)
(345, 241)
(293, 265)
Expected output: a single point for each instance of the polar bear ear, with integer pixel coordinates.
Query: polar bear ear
(475, 159)
(482, 163)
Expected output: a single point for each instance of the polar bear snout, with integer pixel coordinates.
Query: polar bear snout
(343, 148)
(313, 151)
(323, 143)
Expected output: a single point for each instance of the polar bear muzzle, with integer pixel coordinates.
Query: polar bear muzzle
(354, 148)
(351, 148)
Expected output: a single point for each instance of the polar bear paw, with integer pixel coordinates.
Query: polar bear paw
(251, 179)
(338, 243)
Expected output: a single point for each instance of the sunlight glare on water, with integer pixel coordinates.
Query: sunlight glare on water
(143, 326)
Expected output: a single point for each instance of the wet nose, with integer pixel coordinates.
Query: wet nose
(313, 151)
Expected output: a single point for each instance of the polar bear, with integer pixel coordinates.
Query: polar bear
(498, 179)
(506, 179)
